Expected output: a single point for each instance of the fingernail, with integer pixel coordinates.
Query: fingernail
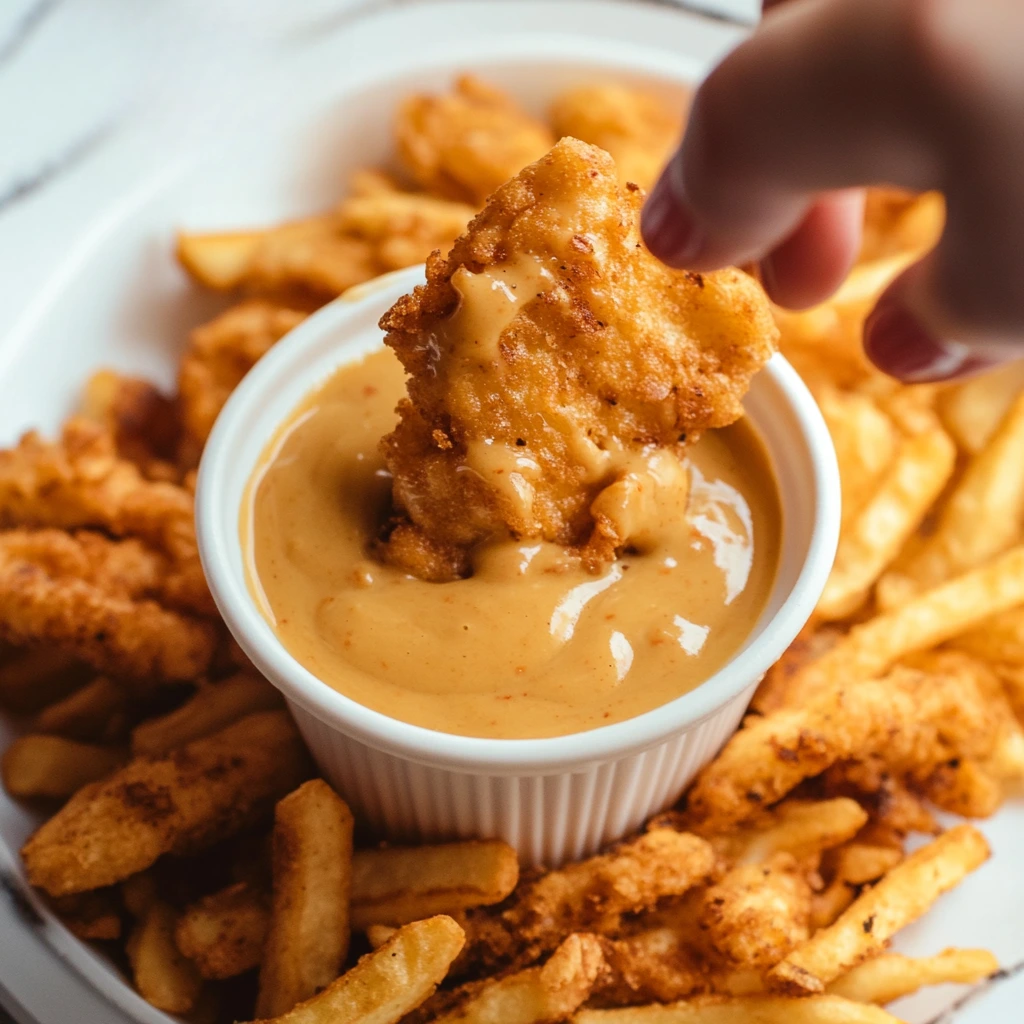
(667, 225)
(897, 344)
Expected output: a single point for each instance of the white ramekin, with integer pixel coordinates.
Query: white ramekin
(555, 798)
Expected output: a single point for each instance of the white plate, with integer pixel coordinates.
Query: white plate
(118, 299)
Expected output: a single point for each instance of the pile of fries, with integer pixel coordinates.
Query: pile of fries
(188, 830)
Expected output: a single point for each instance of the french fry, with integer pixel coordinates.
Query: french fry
(55, 767)
(980, 519)
(37, 676)
(901, 897)
(138, 893)
(972, 410)
(866, 442)
(937, 615)
(212, 708)
(97, 711)
(389, 982)
(164, 978)
(224, 933)
(207, 791)
(853, 865)
(535, 995)
(218, 260)
(397, 885)
(308, 936)
(910, 485)
(826, 1009)
(803, 828)
(998, 639)
(378, 934)
(891, 976)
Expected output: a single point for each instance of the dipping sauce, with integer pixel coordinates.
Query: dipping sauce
(530, 644)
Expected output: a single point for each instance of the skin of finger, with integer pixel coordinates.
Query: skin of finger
(820, 97)
(811, 264)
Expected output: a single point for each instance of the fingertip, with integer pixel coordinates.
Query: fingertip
(898, 344)
(667, 223)
(815, 259)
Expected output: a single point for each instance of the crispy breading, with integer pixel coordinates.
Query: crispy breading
(546, 350)
(404, 228)
(94, 598)
(757, 913)
(220, 353)
(914, 720)
(462, 145)
(635, 126)
(82, 481)
(194, 797)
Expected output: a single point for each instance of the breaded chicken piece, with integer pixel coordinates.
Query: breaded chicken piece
(220, 353)
(637, 128)
(197, 795)
(464, 144)
(547, 353)
(81, 481)
(96, 599)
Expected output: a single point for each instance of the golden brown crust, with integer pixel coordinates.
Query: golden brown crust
(602, 350)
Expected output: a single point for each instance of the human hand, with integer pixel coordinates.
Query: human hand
(830, 95)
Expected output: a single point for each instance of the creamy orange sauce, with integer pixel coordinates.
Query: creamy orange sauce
(531, 644)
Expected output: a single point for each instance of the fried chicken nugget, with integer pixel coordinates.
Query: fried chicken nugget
(913, 720)
(637, 128)
(220, 353)
(82, 482)
(182, 803)
(93, 597)
(464, 144)
(548, 348)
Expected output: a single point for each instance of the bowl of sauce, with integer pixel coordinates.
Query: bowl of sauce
(534, 700)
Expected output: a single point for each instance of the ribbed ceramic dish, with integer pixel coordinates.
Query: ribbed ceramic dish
(554, 798)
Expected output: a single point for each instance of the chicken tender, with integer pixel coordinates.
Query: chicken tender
(464, 144)
(219, 355)
(94, 598)
(198, 795)
(637, 128)
(546, 354)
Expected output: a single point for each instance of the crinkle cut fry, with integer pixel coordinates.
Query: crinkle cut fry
(571, 381)
(104, 619)
(913, 720)
(204, 792)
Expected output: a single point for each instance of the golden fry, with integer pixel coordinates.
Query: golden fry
(162, 975)
(204, 792)
(389, 982)
(536, 995)
(914, 479)
(97, 711)
(891, 976)
(218, 260)
(397, 885)
(55, 767)
(980, 519)
(35, 677)
(213, 707)
(973, 409)
(937, 615)
(744, 1010)
(307, 940)
(901, 897)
